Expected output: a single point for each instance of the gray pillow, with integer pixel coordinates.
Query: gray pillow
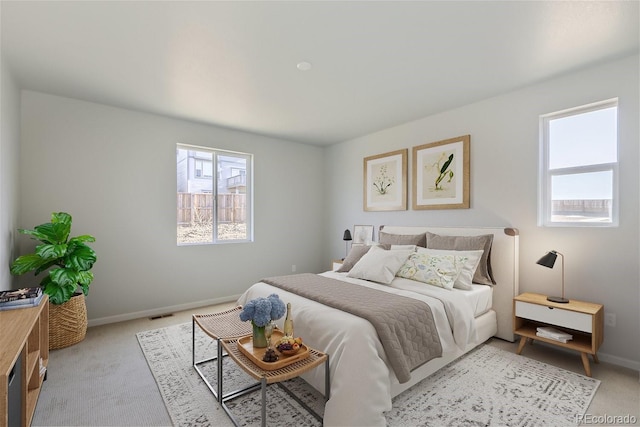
(403, 239)
(483, 274)
(356, 252)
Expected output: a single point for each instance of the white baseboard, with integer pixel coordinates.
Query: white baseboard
(605, 357)
(160, 311)
(620, 361)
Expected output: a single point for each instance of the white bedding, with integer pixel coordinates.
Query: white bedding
(480, 298)
(361, 380)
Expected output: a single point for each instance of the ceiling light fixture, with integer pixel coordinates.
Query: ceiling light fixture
(304, 66)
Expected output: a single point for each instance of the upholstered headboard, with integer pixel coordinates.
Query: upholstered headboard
(504, 264)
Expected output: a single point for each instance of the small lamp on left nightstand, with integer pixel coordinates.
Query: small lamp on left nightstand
(548, 261)
(347, 238)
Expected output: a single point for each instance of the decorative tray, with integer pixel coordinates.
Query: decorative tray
(245, 345)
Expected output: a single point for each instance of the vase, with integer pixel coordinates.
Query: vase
(259, 338)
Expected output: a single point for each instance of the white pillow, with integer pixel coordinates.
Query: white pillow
(411, 248)
(379, 265)
(436, 270)
(470, 261)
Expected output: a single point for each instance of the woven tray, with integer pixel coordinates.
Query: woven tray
(245, 345)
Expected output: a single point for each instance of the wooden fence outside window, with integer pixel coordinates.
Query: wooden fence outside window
(197, 208)
(585, 207)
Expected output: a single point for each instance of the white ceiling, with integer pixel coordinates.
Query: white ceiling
(375, 64)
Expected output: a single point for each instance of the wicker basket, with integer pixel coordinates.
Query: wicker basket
(67, 322)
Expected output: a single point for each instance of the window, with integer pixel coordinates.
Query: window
(579, 166)
(213, 207)
(204, 167)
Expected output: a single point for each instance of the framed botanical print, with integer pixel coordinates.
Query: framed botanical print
(385, 181)
(441, 174)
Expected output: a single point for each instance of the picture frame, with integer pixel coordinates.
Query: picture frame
(440, 176)
(362, 234)
(385, 181)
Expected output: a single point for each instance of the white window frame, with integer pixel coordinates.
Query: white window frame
(215, 178)
(546, 174)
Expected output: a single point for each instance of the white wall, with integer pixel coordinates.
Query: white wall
(9, 155)
(601, 264)
(93, 161)
(114, 170)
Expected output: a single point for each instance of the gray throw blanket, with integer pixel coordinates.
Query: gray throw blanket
(405, 326)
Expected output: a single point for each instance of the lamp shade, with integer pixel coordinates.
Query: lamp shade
(347, 235)
(548, 260)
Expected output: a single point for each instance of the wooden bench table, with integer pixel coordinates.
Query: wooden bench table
(265, 377)
(219, 326)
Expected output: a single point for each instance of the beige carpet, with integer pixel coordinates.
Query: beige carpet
(105, 379)
(487, 387)
(102, 381)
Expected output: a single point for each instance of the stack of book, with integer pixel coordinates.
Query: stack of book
(20, 298)
(553, 334)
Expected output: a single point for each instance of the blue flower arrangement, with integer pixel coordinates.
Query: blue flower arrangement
(263, 310)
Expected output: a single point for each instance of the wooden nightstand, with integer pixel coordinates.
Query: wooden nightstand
(336, 264)
(583, 320)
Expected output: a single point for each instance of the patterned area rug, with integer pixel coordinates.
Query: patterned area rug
(486, 387)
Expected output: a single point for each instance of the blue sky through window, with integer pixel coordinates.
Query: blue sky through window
(584, 186)
(580, 140)
(584, 139)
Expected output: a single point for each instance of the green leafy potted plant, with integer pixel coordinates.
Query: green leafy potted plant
(66, 262)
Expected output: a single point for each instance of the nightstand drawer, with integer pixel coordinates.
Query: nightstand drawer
(555, 316)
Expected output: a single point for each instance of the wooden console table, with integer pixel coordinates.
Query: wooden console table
(24, 342)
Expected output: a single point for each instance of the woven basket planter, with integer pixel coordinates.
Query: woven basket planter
(67, 322)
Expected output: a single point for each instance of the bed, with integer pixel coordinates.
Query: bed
(365, 377)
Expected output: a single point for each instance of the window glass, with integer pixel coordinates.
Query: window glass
(584, 139)
(213, 208)
(232, 186)
(579, 166)
(582, 197)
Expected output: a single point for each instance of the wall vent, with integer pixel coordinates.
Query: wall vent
(160, 316)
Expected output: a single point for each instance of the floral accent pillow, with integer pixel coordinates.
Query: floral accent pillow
(469, 265)
(483, 274)
(436, 270)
